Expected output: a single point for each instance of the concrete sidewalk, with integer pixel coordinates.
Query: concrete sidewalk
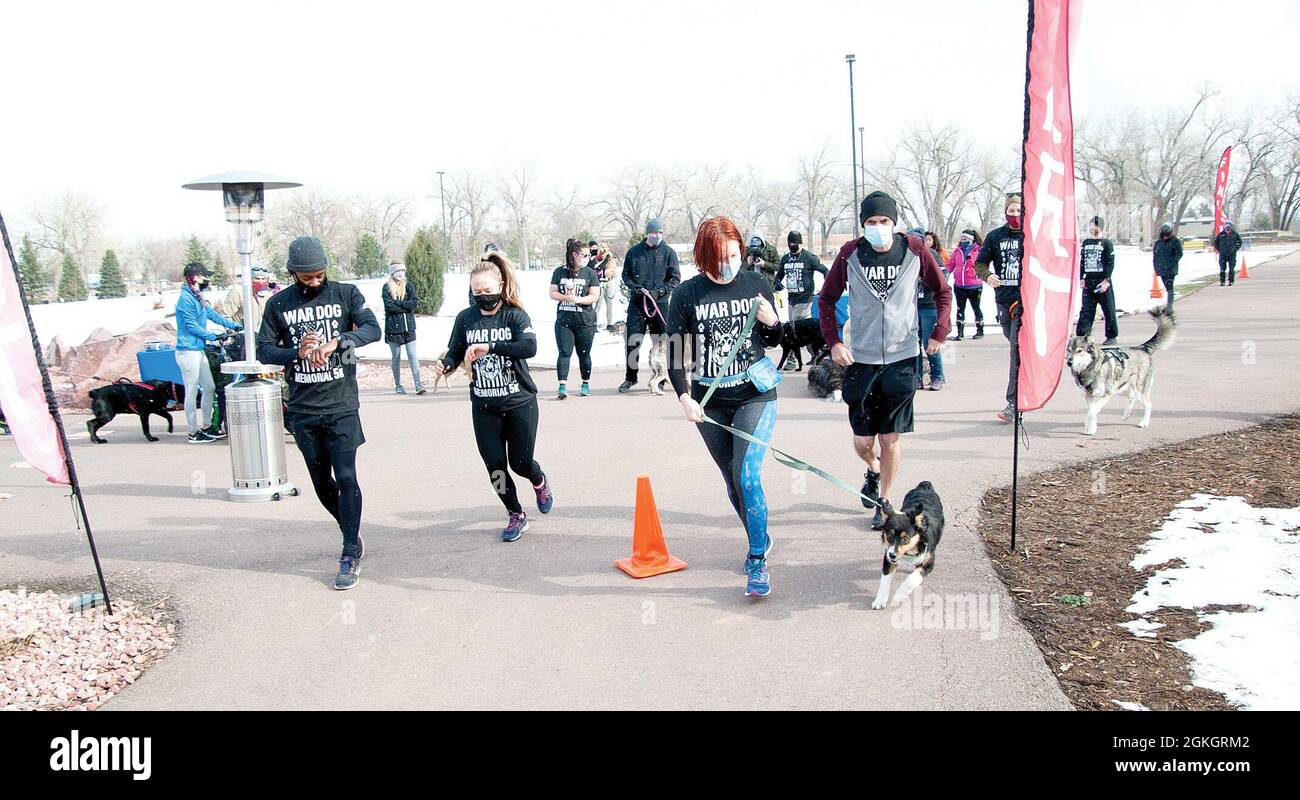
(447, 616)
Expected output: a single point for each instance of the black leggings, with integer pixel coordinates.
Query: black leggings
(506, 438)
(741, 463)
(571, 331)
(965, 295)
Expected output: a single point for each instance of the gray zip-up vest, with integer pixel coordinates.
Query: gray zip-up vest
(883, 330)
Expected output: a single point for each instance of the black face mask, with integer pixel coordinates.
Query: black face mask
(794, 248)
(203, 286)
(487, 302)
(311, 291)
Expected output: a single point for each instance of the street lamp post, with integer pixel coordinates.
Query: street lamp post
(862, 150)
(442, 196)
(853, 123)
(255, 419)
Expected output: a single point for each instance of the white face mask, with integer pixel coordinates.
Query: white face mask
(399, 275)
(878, 235)
(727, 270)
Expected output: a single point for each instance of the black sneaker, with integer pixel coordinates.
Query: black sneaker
(349, 573)
(871, 488)
(214, 433)
(200, 437)
(1111, 342)
(626, 386)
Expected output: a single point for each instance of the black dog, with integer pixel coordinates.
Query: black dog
(125, 397)
(800, 334)
(912, 535)
(826, 379)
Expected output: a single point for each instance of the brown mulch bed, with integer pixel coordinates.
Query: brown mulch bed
(1079, 527)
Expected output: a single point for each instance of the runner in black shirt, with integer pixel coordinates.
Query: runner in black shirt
(576, 287)
(998, 264)
(711, 309)
(1096, 265)
(312, 329)
(795, 274)
(497, 338)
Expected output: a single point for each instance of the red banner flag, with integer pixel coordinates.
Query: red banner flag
(1221, 190)
(1051, 278)
(23, 389)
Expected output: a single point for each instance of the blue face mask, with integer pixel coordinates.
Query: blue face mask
(654, 239)
(878, 235)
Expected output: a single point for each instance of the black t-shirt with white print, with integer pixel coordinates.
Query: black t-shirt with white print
(578, 283)
(713, 315)
(1002, 251)
(796, 275)
(501, 380)
(1096, 260)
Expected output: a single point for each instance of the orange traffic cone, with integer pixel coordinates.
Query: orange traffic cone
(649, 551)
(1244, 273)
(1157, 291)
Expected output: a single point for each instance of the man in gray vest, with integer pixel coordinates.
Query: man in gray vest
(880, 270)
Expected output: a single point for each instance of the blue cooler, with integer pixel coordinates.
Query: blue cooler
(158, 362)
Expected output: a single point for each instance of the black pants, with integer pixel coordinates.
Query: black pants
(971, 295)
(506, 439)
(1168, 280)
(1088, 311)
(329, 443)
(1227, 267)
(1011, 330)
(637, 327)
(570, 332)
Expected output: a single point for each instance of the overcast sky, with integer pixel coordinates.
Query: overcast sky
(128, 100)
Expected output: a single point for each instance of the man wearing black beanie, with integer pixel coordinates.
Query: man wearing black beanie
(795, 275)
(998, 265)
(1096, 264)
(880, 271)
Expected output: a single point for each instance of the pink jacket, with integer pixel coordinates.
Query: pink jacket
(962, 268)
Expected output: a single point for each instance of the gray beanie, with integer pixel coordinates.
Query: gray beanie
(306, 255)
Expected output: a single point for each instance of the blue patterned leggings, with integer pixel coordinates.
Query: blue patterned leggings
(741, 463)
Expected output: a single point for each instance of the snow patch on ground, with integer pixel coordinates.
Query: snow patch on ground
(1127, 706)
(1231, 554)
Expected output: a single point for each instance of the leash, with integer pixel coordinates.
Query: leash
(646, 297)
(782, 457)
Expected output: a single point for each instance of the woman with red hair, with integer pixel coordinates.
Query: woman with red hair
(712, 308)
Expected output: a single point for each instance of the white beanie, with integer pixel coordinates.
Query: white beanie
(396, 267)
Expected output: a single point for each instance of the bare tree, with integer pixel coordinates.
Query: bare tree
(470, 201)
(635, 195)
(1281, 171)
(517, 188)
(1174, 155)
(816, 188)
(68, 225)
(701, 191)
(387, 217)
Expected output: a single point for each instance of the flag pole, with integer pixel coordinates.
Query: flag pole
(1016, 418)
(53, 406)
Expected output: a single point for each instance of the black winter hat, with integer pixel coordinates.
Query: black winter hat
(878, 203)
(306, 255)
(795, 237)
(195, 268)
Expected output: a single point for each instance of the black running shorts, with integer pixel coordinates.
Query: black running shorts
(880, 397)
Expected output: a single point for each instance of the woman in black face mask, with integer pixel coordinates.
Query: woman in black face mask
(576, 288)
(496, 336)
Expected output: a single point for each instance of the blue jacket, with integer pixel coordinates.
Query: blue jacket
(192, 315)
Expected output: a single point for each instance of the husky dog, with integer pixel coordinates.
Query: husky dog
(658, 366)
(912, 537)
(1103, 373)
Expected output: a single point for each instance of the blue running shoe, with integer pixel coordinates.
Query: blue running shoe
(562, 393)
(349, 574)
(545, 497)
(515, 527)
(759, 583)
(585, 391)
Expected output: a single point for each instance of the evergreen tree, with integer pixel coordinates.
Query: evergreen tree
(72, 287)
(196, 251)
(36, 281)
(220, 277)
(111, 283)
(425, 265)
(369, 260)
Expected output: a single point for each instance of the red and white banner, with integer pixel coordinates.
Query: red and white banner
(1050, 279)
(22, 388)
(1221, 190)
